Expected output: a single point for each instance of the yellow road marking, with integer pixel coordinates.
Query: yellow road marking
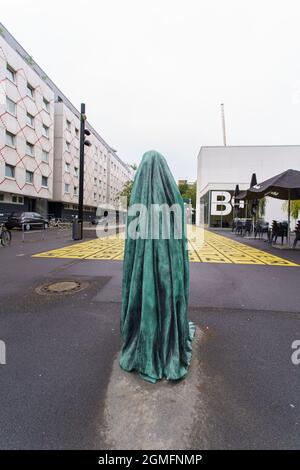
(203, 246)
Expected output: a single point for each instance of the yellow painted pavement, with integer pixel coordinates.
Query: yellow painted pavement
(204, 246)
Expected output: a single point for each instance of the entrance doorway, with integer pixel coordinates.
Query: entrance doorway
(31, 204)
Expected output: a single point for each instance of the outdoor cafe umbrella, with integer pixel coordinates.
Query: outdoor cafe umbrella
(254, 201)
(244, 195)
(236, 203)
(284, 186)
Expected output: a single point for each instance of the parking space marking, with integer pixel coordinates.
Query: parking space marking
(203, 246)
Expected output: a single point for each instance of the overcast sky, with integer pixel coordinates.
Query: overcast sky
(153, 73)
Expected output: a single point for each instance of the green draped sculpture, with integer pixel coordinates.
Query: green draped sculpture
(157, 336)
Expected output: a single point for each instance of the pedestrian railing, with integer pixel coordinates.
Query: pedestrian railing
(26, 229)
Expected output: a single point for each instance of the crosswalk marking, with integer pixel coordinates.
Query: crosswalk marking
(203, 246)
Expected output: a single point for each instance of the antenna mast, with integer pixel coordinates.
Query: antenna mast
(223, 124)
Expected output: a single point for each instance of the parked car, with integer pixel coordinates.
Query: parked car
(28, 220)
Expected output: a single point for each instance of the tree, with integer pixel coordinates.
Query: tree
(262, 207)
(188, 191)
(126, 191)
(295, 208)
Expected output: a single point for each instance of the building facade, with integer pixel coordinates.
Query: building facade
(39, 144)
(26, 134)
(220, 169)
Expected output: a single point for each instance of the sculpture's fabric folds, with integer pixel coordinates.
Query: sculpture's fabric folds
(157, 337)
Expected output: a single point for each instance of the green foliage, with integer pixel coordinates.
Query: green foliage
(126, 191)
(262, 207)
(295, 208)
(188, 191)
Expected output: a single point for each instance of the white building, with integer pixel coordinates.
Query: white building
(220, 169)
(39, 144)
(26, 134)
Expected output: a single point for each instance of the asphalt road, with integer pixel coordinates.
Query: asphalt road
(61, 350)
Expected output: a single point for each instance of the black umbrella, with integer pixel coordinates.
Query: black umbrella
(244, 195)
(236, 191)
(285, 186)
(236, 203)
(253, 180)
(254, 201)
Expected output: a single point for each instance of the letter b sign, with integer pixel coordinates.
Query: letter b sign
(220, 203)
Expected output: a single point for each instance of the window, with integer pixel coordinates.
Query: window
(45, 130)
(30, 120)
(76, 171)
(75, 191)
(10, 73)
(45, 181)
(68, 146)
(1, 197)
(76, 132)
(95, 181)
(10, 139)
(29, 149)
(9, 171)
(95, 196)
(46, 105)
(16, 200)
(68, 124)
(11, 106)
(67, 167)
(29, 177)
(30, 90)
(45, 156)
(67, 188)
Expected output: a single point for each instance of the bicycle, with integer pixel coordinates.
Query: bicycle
(5, 235)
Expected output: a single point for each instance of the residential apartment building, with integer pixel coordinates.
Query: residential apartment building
(26, 134)
(39, 144)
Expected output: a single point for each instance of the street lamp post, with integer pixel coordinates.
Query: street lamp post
(83, 141)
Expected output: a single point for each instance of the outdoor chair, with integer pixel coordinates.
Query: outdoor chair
(297, 234)
(247, 227)
(260, 228)
(279, 229)
(239, 227)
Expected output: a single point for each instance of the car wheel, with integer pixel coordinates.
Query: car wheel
(27, 227)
